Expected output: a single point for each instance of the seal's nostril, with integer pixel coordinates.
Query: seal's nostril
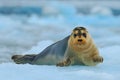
(80, 40)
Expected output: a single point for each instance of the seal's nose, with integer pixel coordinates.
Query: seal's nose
(80, 40)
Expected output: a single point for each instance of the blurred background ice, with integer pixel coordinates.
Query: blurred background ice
(28, 26)
(24, 23)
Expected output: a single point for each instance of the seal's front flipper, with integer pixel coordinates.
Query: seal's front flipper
(67, 62)
(23, 59)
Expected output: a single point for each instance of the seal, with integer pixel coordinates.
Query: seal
(76, 49)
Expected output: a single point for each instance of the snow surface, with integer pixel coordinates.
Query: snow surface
(108, 70)
(27, 35)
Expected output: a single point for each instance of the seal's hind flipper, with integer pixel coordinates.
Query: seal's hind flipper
(23, 59)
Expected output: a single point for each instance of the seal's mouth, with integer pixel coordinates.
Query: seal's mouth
(80, 42)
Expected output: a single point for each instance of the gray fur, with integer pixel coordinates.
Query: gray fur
(49, 56)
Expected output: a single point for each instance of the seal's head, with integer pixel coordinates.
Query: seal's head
(79, 37)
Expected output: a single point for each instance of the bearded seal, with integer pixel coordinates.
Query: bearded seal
(76, 49)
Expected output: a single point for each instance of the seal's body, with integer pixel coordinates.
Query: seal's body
(50, 55)
(76, 49)
(53, 53)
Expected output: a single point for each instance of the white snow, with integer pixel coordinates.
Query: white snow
(100, 10)
(30, 35)
(108, 70)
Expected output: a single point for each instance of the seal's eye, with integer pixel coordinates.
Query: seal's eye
(75, 35)
(84, 34)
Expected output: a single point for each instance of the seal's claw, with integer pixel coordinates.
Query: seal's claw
(60, 64)
(98, 59)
